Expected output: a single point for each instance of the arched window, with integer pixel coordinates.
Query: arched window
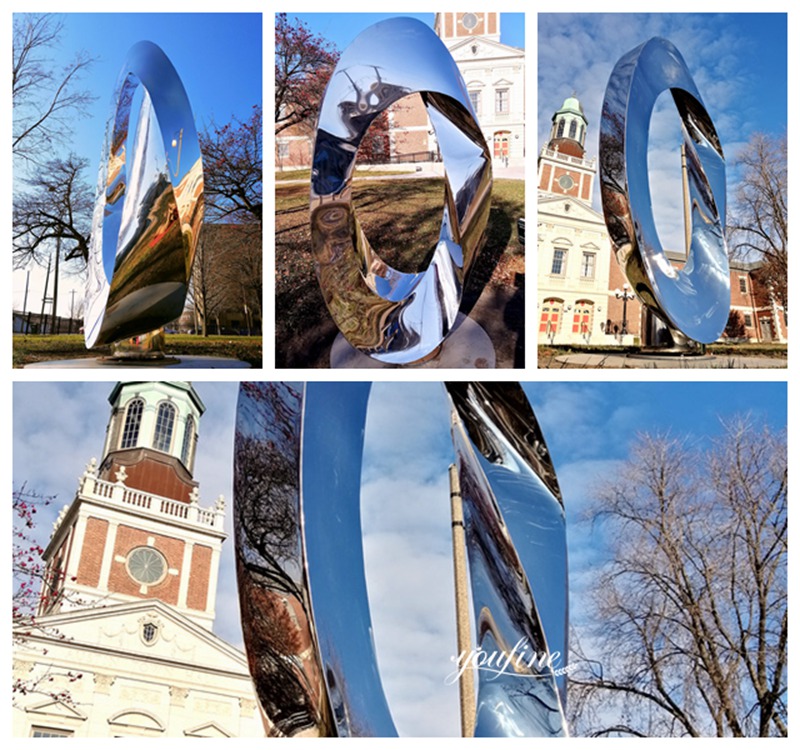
(133, 420)
(583, 130)
(165, 422)
(188, 443)
(560, 129)
(573, 129)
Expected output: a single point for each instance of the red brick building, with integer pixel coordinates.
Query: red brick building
(583, 295)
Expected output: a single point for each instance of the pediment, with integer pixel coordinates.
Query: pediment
(54, 707)
(208, 729)
(487, 48)
(119, 631)
(561, 207)
(138, 719)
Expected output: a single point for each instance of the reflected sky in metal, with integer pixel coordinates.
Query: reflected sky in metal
(393, 316)
(300, 564)
(149, 205)
(515, 529)
(695, 300)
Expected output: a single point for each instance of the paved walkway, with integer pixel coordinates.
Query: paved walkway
(624, 361)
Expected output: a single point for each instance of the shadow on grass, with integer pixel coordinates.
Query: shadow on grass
(401, 219)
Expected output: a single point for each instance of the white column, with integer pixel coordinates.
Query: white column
(186, 570)
(108, 555)
(213, 575)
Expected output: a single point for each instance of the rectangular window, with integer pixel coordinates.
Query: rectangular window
(748, 320)
(283, 149)
(587, 267)
(559, 258)
(501, 101)
(50, 732)
(475, 100)
(743, 284)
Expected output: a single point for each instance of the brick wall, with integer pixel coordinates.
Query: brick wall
(129, 538)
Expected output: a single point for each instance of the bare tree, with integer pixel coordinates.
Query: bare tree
(303, 64)
(758, 224)
(690, 612)
(45, 98)
(57, 207)
(232, 158)
(35, 589)
(226, 276)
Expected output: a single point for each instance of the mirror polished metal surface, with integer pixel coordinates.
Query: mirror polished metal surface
(300, 565)
(695, 299)
(396, 317)
(149, 206)
(515, 530)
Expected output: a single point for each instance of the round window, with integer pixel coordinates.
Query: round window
(470, 20)
(566, 182)
(146, 565)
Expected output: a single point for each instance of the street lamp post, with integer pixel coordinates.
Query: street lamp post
(624, 294)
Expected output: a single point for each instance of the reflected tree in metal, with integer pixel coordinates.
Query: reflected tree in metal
(694, 300)
(149, 206)
(515, 528)
(300, 563)
(396, 317)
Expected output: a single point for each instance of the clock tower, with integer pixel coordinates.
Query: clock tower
(563, 166)
(454, 27)
(136, 528)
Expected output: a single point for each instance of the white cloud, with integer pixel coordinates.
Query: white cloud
(577, 53)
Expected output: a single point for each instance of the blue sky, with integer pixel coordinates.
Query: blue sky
(218, 57)
(589, 427)
(342, 28)
(738, 62)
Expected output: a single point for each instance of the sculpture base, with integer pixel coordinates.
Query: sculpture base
(671, 352)
(173, 363)
(467, 346)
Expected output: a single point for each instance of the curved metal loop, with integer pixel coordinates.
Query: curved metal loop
(300, 564)
(393, 316)
(149, 205)
(696, 298)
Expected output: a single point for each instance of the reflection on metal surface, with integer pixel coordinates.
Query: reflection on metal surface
(516, 543)
(694, 300)
(393, 316)
(305, 612)
(297, 512)
(149, 206)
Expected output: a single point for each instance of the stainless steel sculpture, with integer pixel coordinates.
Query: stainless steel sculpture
(515, 528)
(300, 565)
(149, 206)
(694, 300)
(396, 317)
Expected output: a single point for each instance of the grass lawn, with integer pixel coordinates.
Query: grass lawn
(401, 219)
(29, 348)
(305, 174)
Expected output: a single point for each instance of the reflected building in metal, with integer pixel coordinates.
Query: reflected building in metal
(297, 487)
(149, 206)
(693, 301)
(393, 316)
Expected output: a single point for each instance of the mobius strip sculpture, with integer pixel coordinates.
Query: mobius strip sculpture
(393, 316)
(694, 300)
(300, 564)
(149, 206)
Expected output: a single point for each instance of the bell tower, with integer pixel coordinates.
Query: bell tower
(563, 166)
(136, 528)
(453, 27)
